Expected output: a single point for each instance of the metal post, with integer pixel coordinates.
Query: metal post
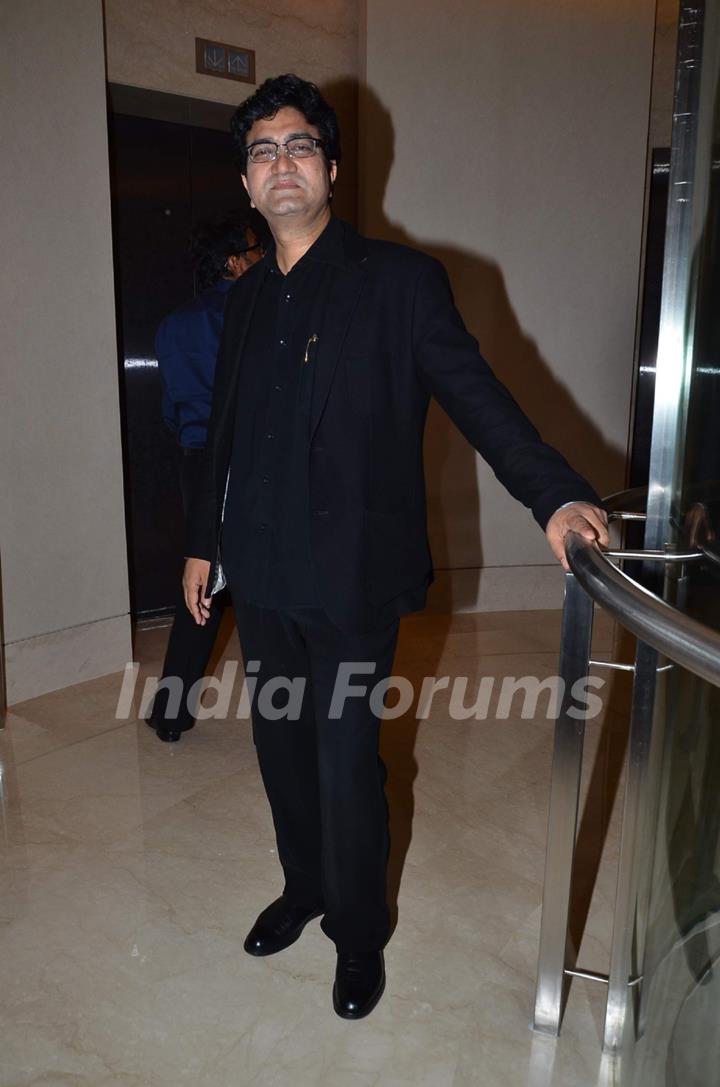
(638, 824)
(562, 820)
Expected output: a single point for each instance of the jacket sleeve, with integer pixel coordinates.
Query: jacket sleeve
(455, 373)
(203, 518)
(200, 525)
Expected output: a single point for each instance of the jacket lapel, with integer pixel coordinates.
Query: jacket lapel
(342, 301)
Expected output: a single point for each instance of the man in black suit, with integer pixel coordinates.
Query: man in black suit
(332, 347)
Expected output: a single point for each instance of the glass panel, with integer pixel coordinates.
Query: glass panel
(678, 1042)
(673, 1036)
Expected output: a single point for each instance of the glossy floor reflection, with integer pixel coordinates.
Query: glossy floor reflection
(131, 871)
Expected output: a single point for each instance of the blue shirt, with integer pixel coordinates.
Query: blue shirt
(186, 346)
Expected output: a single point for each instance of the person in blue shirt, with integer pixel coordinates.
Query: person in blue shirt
(186, 346)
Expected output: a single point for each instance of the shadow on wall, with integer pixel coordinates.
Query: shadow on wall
(481, 295)
(452, 487)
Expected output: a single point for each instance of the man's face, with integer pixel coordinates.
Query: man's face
(254, 249)
(288, 188)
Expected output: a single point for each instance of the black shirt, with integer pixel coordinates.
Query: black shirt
(266, 529)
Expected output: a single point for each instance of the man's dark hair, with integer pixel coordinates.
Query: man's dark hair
(275, 94)
(213, 242)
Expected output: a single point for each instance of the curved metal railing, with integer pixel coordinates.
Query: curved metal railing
(660, 629)
(674, 634)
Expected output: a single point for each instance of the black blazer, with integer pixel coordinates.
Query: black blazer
(391, 338)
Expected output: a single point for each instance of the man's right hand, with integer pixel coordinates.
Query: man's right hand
(195, 578)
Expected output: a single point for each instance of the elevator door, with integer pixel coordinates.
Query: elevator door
(167, 178)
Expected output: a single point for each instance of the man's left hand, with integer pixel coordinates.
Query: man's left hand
(588, 521)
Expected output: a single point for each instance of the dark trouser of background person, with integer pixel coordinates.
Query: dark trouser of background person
(189, 647)
(323, 777)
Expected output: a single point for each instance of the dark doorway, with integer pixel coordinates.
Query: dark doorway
(171, 169)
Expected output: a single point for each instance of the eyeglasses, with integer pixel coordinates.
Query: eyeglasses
(241, 253)
(297, 147)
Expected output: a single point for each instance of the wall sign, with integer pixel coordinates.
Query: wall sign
(225, 61)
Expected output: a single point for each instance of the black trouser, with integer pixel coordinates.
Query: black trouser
(190, 646)
(324, 778)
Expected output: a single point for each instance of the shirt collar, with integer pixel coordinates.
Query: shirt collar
(328, 248)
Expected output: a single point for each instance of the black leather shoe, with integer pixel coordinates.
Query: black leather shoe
(359, 983)
(164, 732)
(278, 926)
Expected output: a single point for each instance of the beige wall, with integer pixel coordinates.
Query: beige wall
(510, 141)
(534, 201)
(152, 44)
(62, 530)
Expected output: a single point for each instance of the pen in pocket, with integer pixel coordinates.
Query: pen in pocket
(313, 340)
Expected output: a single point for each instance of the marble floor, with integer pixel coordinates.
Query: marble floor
(132, 869)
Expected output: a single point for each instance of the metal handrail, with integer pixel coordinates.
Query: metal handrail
(633, 499)
(674, 634)
(660, 629)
